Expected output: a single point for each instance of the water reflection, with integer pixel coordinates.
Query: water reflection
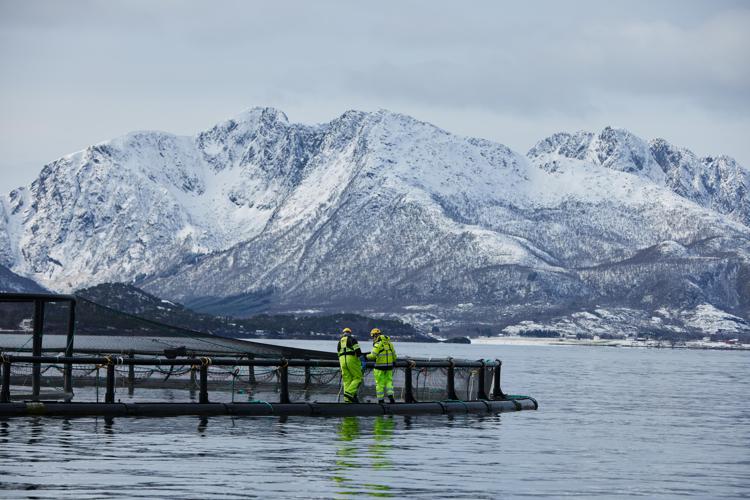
(37, 430)
(346, 452)
(109, 422)
(202, 425)
(381, 442)
(4, 432)
(352, 454)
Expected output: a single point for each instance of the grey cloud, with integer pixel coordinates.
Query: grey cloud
(706, 64)
(73, 73)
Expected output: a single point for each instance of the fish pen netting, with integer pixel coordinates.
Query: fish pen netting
(236, 382)
(102, 331)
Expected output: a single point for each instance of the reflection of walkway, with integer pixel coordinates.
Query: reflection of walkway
(348, 456)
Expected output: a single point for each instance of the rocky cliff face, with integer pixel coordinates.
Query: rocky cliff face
(718, 183)
(384, 214)
(11, 282)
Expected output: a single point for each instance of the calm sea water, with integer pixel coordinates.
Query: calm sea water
(612, 423)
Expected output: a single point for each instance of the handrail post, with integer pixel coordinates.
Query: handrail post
(451, 379)
(497, 393)
(109, 397)
(284, 380)
(481, 392)
(131, 373)
(408, 388)
(251, 370)
(36, 349)
(308, 377)
(5, 392)
(203, 397)
(68, 369)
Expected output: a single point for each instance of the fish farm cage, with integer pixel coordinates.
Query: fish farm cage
(61, 352)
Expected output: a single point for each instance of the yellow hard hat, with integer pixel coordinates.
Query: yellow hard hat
(347, 330)
(374, 331)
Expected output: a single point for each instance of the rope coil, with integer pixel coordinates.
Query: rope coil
(107, 362)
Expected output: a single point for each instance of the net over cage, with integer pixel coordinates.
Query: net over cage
(101, 331)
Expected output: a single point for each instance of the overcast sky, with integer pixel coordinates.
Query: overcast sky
(76, 73)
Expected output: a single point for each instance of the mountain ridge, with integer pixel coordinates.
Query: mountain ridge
(381, 212)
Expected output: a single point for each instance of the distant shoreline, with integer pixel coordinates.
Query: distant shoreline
(650, 344)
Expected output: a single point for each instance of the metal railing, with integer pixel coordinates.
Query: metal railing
(40, 300)
(282, 364)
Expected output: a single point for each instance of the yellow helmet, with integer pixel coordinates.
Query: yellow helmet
(347, 330)
(374, 332)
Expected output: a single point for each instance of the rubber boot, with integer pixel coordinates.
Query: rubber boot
(391, 400)
(355, 399)
(380, 402)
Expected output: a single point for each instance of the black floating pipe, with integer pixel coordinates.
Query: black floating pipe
(408, 388)
(109, 397)
(481, 391)
(203, 397)
(497, 393)
(5, 392)
(451, 380)
(68, 369)
(261, 409)
(36, 371)
(284, 380)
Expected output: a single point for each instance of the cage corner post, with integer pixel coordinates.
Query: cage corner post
(36, 346)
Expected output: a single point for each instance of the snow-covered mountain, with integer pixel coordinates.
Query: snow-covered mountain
(384, 214)
(718, 183)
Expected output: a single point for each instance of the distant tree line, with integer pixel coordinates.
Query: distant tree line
(539, 333)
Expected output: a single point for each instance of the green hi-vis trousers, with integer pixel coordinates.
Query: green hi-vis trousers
(383, 383)
(351, 376)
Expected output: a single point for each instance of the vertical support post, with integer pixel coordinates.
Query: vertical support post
(5, 392)
(308, 377)
(36, 350)
(68, 370)
(497, 393)
(109, 397)
(203, 397)
(408, 387)
(284, 380)
(451, 379)
(251, 370)
(481, 391)
(131, 373)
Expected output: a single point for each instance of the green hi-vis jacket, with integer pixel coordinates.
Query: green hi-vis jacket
(348, 346)
(383, 353)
